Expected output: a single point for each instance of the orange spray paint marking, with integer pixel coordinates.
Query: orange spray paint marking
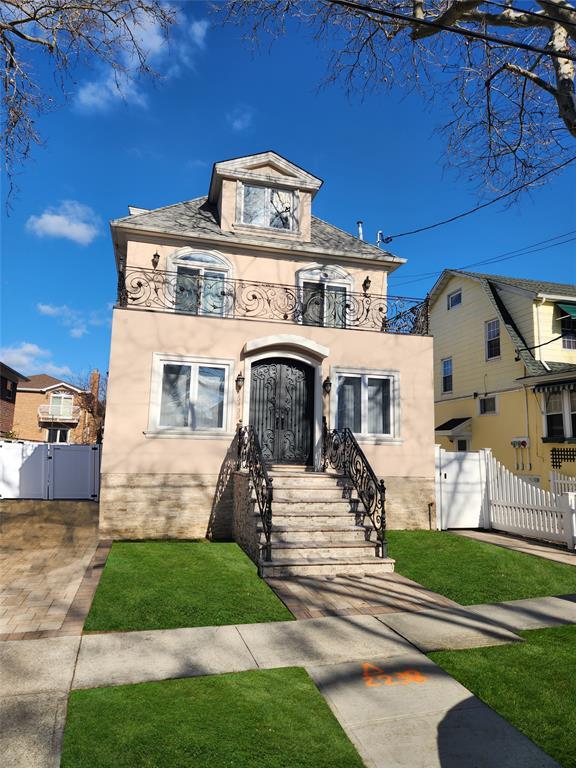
(375, 676)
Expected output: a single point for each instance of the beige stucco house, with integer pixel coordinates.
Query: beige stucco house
(505, 370)
(241, 307)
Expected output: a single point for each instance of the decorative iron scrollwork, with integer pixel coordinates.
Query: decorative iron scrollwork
(341, 452)
(250, 458)
(251, 300)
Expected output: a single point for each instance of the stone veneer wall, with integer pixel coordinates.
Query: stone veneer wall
(179, 506)
(163, 506)
(246, 516)
(410, 503)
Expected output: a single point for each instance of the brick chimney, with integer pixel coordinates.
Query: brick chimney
(94, 386)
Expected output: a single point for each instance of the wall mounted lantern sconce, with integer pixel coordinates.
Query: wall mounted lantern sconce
(366, 284)
(155, 260)
(239, 382)
(327, 385)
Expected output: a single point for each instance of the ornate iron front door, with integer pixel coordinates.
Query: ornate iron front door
(281, 408)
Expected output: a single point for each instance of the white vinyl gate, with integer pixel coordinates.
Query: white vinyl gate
(474, 490)
(49, 471)
(461, 489)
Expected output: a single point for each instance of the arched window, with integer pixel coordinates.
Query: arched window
(324, 289)
(200, 282)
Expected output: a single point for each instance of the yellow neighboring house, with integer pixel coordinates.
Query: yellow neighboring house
(505, 370)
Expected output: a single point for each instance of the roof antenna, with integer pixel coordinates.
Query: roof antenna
(360, 230)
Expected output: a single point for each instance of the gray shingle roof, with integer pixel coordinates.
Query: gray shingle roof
(537, 286)
(199, 218)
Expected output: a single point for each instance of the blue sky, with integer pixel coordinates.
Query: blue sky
(379, 157)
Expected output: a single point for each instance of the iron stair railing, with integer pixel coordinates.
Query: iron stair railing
(250, 458)
(340, 450)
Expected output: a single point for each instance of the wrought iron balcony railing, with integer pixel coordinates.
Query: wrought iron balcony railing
(315, 305)
(68, 414)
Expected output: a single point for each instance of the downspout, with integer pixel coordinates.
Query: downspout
(537, 345)
(529, 448)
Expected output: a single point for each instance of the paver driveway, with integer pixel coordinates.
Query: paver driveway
(48, 568)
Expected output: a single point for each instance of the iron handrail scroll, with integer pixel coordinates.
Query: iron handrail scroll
(250, 458)
(342, 452)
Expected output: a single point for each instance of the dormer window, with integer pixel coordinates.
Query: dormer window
(268, 207)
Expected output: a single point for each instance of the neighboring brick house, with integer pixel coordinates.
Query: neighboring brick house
(9, 379)
(55, 411)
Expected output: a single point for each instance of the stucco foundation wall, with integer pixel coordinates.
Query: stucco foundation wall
(246, 516)
(410, 503)
(164, 506)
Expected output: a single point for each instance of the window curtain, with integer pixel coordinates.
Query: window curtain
(187, 290)
(379, 406)
(175, 402)
(208, 411)
(349, 397)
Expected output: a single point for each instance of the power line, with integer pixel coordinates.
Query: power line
(389, 238)
(525, 251)
(537, 14)
(468, 33)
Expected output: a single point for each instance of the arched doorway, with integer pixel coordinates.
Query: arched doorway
(282, 409)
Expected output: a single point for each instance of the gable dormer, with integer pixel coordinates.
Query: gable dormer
(264, 195)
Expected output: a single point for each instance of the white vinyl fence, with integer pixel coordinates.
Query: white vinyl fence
(560, 483)
(49, 471)
(474, 490)
(517, 506)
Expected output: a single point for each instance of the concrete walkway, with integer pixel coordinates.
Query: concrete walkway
(518, 544)
(436, 722)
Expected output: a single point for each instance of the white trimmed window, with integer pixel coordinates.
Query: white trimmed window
(61, 405)
(487, 405)
(200, 286)
(447, 375)
(367, 402)
(190, 395)
(269, 207)
(324, 290)
(560, 414)
(568, 331)
(57, 435)
(454, 299)
(492, 336)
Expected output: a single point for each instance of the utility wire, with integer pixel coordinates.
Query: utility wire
(538, 15)
(527, 250)
(556, 338)
(468, 33)
(389, 238)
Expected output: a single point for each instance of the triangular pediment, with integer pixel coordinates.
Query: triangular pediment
(262, 168)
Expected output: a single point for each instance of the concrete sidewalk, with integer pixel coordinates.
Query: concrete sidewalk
(519, 544)
(38, 674)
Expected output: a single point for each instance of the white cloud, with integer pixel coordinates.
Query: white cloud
(168, 58)
(70, 220)
(240, 118)
(77, 320)
(29, 358)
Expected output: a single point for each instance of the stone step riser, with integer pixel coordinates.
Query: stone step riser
(286, 519)
(313, 553)
(269, 570)
(291, 537)
(309, 494)
(340, 506)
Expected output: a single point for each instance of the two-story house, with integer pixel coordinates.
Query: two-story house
(51, 410)
(505, 369)
(241, 307)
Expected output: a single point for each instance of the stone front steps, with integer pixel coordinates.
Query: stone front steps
(314, 529)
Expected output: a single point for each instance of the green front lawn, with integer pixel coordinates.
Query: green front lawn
(531, 684)
(168, 584)
(471, 572)
(264, 719)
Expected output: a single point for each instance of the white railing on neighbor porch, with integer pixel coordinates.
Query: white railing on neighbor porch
(517, 506)
(62, 413)
(560, 483)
